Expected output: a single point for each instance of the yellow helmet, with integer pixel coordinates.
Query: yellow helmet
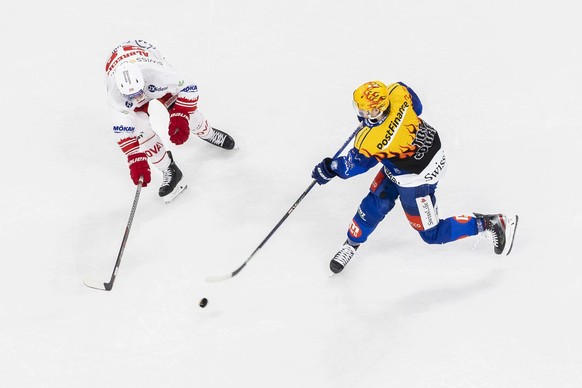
(371, 100)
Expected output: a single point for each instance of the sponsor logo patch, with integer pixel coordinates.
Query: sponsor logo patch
(424, 140)
(150, 152)
(154, 88)
(122, 128)
(393, 126)
(355, 230)
(190, 88)
(428, 214)
(376, 182)
(415, 222)
(361, 213)
(462, 219)
(439, 166)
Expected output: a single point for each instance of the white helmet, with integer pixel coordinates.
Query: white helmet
(129, 80)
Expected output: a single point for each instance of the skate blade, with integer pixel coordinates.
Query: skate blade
(177, 190)
(511, 226)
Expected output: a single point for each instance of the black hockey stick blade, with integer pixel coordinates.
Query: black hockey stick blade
(98, 285)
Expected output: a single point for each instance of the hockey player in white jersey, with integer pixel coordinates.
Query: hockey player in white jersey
(137, 73)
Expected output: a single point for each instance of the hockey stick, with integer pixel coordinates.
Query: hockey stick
(109, 285)
(219, 278)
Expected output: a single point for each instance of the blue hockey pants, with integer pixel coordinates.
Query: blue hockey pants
(419, 204)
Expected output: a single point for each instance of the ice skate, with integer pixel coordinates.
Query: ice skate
(172, 184)
(502, 228)
(220, 139)
(342, 257)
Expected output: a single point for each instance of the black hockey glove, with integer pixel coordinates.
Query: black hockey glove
(322, 173)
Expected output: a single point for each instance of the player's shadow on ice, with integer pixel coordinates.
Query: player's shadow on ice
(423, 301)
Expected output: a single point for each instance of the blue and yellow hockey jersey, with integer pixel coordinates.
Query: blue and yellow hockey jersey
(408, 147)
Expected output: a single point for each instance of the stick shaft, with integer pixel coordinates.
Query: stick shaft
(291, 209)
(109, 285)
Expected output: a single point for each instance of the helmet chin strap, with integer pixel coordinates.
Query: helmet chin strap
(367, 114)
(380, 117)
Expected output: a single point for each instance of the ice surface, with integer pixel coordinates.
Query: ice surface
(500, 81)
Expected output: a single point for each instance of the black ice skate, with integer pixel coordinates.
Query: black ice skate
(172, 184)
(502, 228)
(342, 257)
(221, 139)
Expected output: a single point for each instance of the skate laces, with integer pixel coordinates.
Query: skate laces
(494, 237)
(495, 226)
(167, 176)
(217, 138)
(344, 255)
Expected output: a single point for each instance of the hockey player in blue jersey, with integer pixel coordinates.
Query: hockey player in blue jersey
(413, 161)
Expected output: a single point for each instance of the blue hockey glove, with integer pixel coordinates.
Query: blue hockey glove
(322, 173)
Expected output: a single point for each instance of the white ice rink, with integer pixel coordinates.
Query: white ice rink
(499, 80)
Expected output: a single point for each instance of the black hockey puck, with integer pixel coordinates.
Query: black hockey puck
(203, 302)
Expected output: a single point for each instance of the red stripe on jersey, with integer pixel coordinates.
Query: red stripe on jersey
(122, 53)
(128, 145)
(186, 100)
(160, 159)
(186, 105)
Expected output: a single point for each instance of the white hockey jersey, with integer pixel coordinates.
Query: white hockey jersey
(163, 83)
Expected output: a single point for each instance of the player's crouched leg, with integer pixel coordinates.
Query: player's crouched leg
(450, 229)
(419, 204)
(371, 212)
(420, 208)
